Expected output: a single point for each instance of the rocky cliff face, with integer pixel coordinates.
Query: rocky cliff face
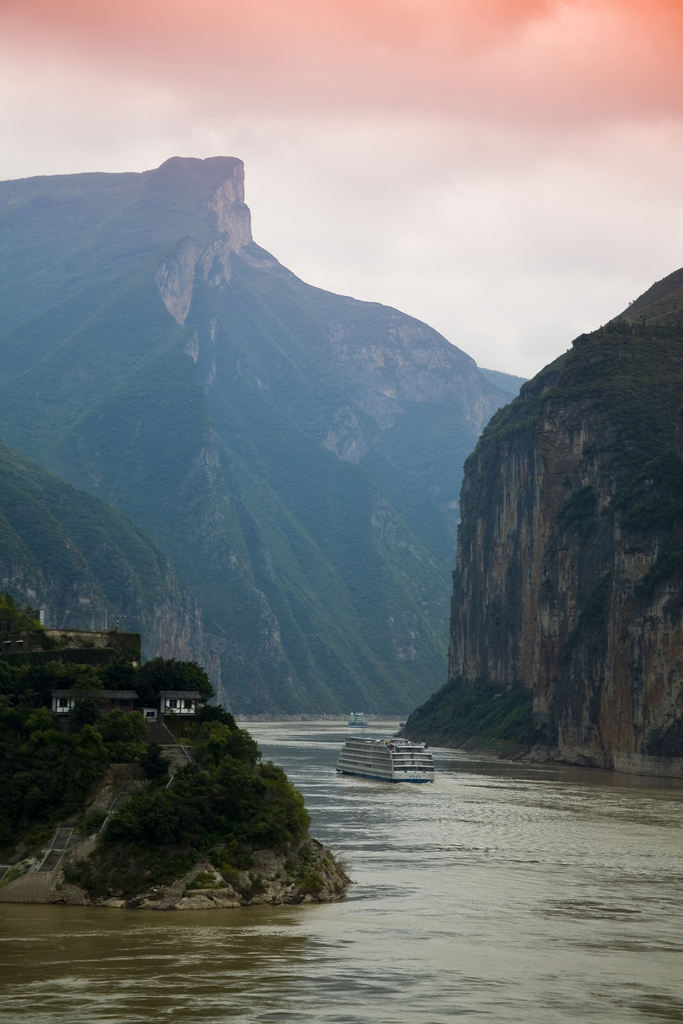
(228, 213)
(569, 574)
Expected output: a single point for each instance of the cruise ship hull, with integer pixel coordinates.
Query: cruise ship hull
(386, 778)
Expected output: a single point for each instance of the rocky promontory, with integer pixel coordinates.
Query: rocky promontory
(307, 873)
(102, 807)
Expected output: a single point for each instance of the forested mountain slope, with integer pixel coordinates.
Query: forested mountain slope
(569, 576)
(298, 454)
(87, 564)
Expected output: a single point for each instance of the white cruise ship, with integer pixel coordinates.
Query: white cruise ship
(390, 760)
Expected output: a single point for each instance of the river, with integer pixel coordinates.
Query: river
(504, 892)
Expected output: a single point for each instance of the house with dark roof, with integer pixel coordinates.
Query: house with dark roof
(170, 702)
(178, 702)
(63, 701)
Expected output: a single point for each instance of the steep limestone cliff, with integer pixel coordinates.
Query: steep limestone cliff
(569, 573)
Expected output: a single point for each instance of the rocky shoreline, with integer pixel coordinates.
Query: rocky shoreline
(267, 882)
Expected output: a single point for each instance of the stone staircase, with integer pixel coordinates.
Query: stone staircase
(59, 843)
(174, 752)
(159, 733)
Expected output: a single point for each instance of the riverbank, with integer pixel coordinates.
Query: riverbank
(197, 824)
(308, 873)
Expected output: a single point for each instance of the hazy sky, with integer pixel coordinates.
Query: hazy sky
(509, 171)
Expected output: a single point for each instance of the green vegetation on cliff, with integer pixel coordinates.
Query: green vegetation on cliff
(47, 769)
(83, 560)
(14, 617)
(480, 717)
(226, 805)
(506, 382)
(569, 572)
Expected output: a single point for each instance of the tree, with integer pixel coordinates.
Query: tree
(124, 735)
(215, 713)
(86, 711)
(120, 675)
(169, 674)
(219, 741)
(154, 763)
(16, 616)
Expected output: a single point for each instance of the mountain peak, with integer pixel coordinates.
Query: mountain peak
(215, 184)
(201, 177)
(664, 299)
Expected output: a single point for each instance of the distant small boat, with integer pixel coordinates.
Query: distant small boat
(357, 720)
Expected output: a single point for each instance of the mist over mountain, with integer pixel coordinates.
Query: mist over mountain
(297, 454)
(506, 382)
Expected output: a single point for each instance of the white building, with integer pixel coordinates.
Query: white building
(178, 702)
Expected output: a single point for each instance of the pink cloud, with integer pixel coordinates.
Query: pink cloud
(512, 58)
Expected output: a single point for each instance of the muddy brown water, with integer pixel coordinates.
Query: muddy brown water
(509, 893)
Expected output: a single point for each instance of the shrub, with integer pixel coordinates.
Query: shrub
(93, 821)
(123, 734)
(215, 713)
(169, 674)
(205, 880)
(155, 765)
(311, 882)
(46, 772)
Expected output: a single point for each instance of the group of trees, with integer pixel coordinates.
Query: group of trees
(224, 804)
(31, 685)
(225, 799)
(46, 772)
(47, 769)
(17, 617)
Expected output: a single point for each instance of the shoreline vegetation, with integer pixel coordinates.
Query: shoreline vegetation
(485, 718)
(94, 812)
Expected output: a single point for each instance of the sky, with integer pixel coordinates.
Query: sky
(509, 171)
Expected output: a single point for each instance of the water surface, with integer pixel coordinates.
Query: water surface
(516, 894)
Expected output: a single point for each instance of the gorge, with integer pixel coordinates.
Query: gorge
(296, 454)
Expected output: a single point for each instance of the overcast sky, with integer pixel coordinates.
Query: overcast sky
(509, 171)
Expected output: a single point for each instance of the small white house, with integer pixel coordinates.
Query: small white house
(178, 702)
